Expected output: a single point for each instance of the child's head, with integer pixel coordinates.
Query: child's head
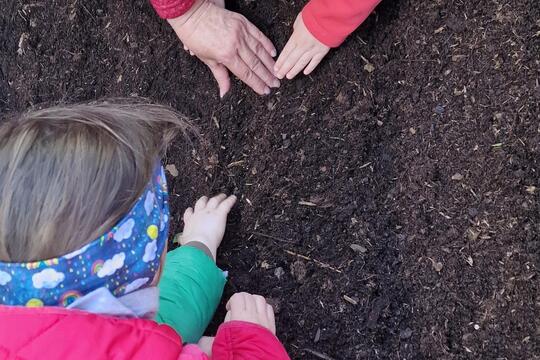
(69, 173)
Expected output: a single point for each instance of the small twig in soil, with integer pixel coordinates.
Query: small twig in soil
(417, 60)
(89, 13)
(320, 263)
(318, 354)
(273, 237)
(365, 165)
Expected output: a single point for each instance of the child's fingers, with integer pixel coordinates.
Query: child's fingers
(237, 302)
(271, 318)
(187, 214)
(250, 304)
(262, 311)
(289, 63)
(315, 61)
(215, 201)
(284, 58)
(227, 204)
(201, 203)
(260, 304)
(300, 64)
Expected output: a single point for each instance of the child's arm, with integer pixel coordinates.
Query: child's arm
(321, 25)
(191, 284)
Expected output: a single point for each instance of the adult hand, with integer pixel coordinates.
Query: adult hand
(223, 40)
(302, 51)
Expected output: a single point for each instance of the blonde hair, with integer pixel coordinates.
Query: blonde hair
(69, 173)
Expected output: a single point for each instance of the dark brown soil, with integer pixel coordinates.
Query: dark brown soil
(428, 165)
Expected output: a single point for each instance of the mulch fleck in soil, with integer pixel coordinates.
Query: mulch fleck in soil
(389, 211)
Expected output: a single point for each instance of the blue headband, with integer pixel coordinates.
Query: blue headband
(124, 259)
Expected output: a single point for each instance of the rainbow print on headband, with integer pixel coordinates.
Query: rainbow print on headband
(122, 260)
(96, 266)
(37, 264)
(69, 296)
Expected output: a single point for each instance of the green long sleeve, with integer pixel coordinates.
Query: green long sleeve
(190, 289)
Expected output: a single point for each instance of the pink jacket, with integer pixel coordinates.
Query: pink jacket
(57, 333)
(330, 21)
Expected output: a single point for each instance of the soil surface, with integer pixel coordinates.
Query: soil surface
(389, 211)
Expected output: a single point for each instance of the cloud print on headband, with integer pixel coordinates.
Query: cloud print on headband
(122, 260)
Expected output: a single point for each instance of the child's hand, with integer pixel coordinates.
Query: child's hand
(302, 51)
(206, 222)
(251, 308)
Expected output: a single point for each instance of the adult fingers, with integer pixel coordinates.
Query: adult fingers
(239, 68)
(214, 202)
(300, 64)
(255, 63)
(222, 77)
(286, 60)
(258, 34)
(262, 54)
(315, 61)
(227, 204)
(187, 214)
(201, 203)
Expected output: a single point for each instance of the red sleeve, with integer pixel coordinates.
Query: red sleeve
(239, 340)
(331, 21)
(169, 9)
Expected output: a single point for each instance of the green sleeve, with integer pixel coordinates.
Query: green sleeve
(190, 290)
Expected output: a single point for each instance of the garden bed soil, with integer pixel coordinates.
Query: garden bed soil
(389, 211)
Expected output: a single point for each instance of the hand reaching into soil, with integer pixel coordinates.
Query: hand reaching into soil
(223, 40)
(206, 222)
(248, 308)
(251, 308)
(302, 52)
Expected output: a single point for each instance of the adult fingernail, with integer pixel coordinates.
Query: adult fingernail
(275, 83)
(273, 53)
(266, 90)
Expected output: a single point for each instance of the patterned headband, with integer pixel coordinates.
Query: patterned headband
(124, 259)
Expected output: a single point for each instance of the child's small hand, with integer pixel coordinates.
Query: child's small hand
(302, 51)
(206, 222)
(251, 308)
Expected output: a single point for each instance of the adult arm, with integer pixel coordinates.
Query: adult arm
(331, 21)
(167, 9)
